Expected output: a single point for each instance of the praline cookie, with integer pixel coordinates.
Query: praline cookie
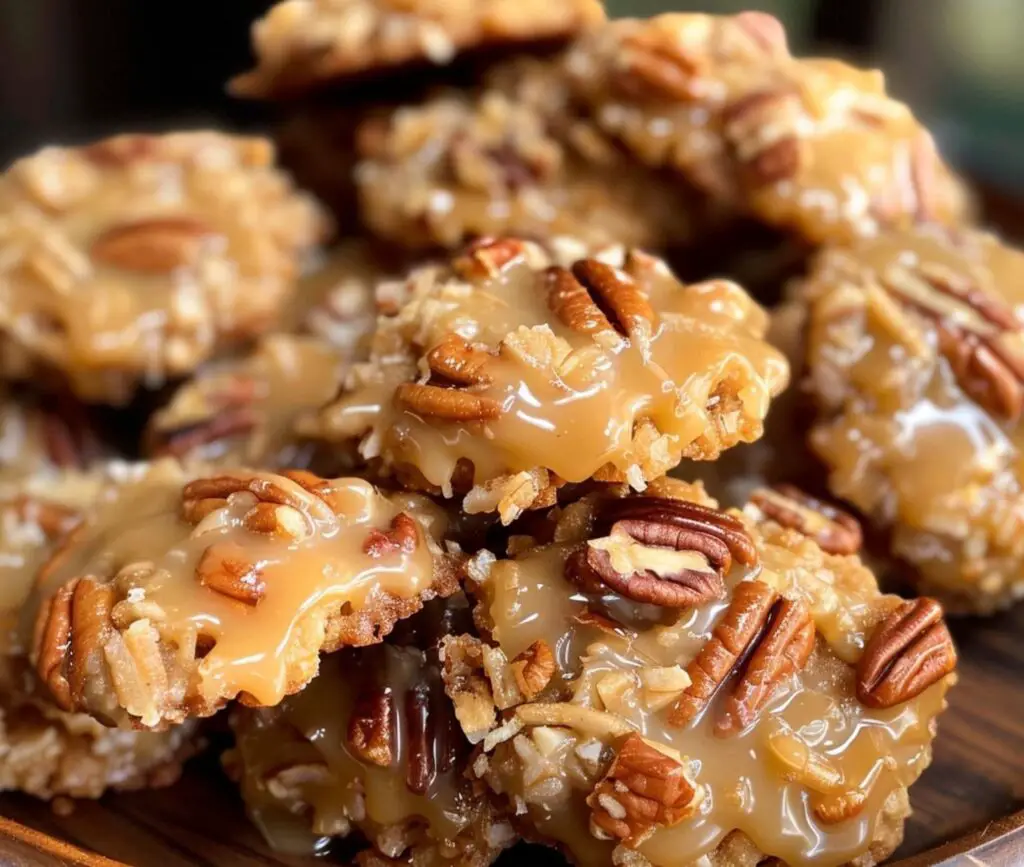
(370, 746)
(43, 750)
(811, 146)
(177, 595)
(516, 368)
(915, 362)
(243, 411)
(664, 682)
(515, 158)
(304, 44)
(132, 260)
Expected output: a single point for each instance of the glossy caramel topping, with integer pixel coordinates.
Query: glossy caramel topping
(186, 594)
(305, 779)
(916, 359)
(813, 145)
(809, 774)
(302, 44)
(243, 411)
(134, 258)
(531, 373)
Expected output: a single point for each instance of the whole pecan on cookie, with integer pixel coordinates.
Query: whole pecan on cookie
(155, 246)
(661, 551)
(643, 790)
(834, 530)
(979, 335)
(600, 301)
(776, 635)
(908, 652)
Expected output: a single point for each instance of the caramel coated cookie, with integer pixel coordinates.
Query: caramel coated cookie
(303, 44)
(44, 751)
(369, 747)
(915, 358)
(177, 595)
(242, 412)
(132, 260)
(665, 682)
(813, 146)
(516, 368)
(517, 158)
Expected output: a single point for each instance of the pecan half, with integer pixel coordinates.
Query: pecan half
(156, 246)
(654, 67)
(401, 537)
(533, 668)
(447, 404)
(733, 634)
(971, 327)
(596, 297)
(488, 257)
(705, 541)
(835, 531)
(420, 769)
(459, 362)
(783, 649)
(370, 726)
(70, 631)
(644, 790)
(227, 568)
(908, 652)
(227, 423)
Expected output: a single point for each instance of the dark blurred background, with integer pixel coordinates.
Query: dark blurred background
(76, 68)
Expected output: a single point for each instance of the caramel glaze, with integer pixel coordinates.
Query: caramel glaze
(745, 785)
(303, 783)
(140, 542)
(903, 440)
(243, 411)
(573, 400)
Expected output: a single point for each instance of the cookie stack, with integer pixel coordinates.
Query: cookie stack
(403, 466)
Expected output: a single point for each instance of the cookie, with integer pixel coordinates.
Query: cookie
(179, 594)
(242, 412)
(44, 751)
(132, 260)
(813, 146)
(301, 45)
(664, 682)
(516, 158)
(915, 361)
(369, 747)
(516, 368)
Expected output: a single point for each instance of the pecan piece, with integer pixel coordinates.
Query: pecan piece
(656, 68)
(835, 531)
(572, 304)
(227, 423)
(533, 668)
(447, 404)
(783, 649)
(635, 561)
(403, 536)
(733, 634)
(908, 652)
(488, 257)
(459, 362)
(226, 568)
(969, 324)
(644, 790)
(420, 770)
(370, 726)
(156, 246)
